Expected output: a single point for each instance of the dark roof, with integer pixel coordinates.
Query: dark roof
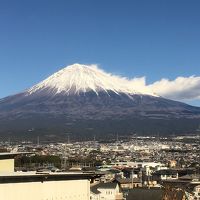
(94, 189)
(43, 177)
(108, 185)
(127, 180)
(131, 170)
(190, 177)
(145, 194)
(114, 171)
(165, 172)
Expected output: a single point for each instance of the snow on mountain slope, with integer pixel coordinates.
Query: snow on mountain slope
(78, 78)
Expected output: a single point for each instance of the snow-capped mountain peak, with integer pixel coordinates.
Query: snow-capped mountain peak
(78, 78)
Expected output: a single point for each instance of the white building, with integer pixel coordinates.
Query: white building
(105, 191)
(136, 164)
(41, 186)
(56, 186)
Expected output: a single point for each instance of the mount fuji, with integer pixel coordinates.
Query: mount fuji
(83, 101)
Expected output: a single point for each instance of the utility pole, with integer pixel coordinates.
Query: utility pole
(65, 159)
(132, 179)
(38, 141)
(68, 140)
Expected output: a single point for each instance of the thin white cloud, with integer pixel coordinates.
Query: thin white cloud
(182, 88)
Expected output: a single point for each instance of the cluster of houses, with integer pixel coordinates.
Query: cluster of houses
(147, 181)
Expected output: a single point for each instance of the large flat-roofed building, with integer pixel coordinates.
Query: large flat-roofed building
(41, 186)
(53, 186)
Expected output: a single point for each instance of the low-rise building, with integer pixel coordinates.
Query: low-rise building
(106, 191)
(128, 183)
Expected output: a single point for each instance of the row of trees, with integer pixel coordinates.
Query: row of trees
(37, 161)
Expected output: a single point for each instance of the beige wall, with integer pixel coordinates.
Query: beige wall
(52, 190)
(7, 165)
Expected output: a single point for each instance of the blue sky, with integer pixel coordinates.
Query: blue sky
(156, 39)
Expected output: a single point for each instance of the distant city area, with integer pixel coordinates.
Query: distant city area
(154, 167)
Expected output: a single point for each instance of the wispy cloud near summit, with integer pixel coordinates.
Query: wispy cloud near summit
(181, 88)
